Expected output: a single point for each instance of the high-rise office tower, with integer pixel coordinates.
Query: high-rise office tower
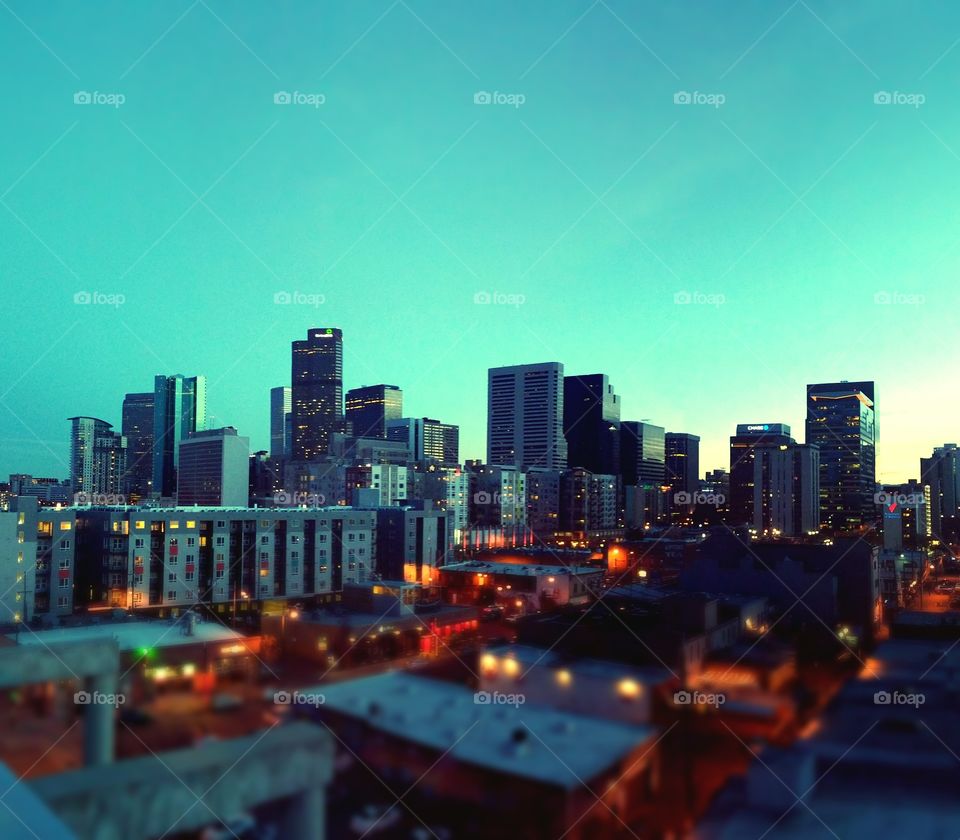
(525, 416)
(842, 423)
(137, 428)
(281, 423)
(643, 472)
(317, 392)
(682, 462)
(427, 439)
(370, 407)
(941, 471)
(743, 451)
(786, 488)
(98, 457)
(642, 453)
(179, 410)
(591, 423)
(214, 469)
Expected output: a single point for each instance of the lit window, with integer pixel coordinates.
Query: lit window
(191, 523)
(66, 526)
(174, 525)
(140, 524)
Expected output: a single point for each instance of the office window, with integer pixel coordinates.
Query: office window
(65, 526)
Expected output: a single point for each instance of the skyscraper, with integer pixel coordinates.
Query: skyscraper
(427, 439)
(525, 416)
(642, 453)
(842, 423)
(214, 469)
(98, 457)
(137, 428)
(591, 423)
(743, 453)
(682, 462)
(786, 488)
(941, 471)
(281, 423)
(179, 410)
(317, 391)
(370, 407)
(643, 472)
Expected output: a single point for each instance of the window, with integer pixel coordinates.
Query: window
(140, 524)
(188, 576)
(220, 541)
(361, 537)
(191, 541)
(171, 577)
(173, 561)
(294, 555)
(173, 541)
(321, 537)
(218, 557)
(65, 526)
(65, 583)
(351, 536)
(264, 555)
(137, 597)
(62, 601)
(138, 542)
(64, 544)
(64, 562)
(191, 523)
(264, 523)
(219, 573)
(174, 524)
(294, 567)
(265, 540)
(171, 594)
(294, 539)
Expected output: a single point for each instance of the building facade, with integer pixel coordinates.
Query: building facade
(98, 458)
(179, 410)
(370, 408)
(137, 428)
(281, 423)
(842, 423)
(317, 392)
(427, 439)
(743, 473)
(214, 469)
(525, 416)
(591, 423)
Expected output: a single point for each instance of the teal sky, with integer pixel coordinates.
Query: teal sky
(794, 204)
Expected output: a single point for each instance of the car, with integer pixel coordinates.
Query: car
(946, 586)
(491, 613)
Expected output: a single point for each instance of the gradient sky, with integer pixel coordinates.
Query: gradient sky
(797, 201)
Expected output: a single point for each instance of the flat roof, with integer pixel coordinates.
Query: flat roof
(507, 739)
(493, 567)
(131, 635)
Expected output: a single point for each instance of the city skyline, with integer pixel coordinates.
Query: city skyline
(714, 453)
(584, 224)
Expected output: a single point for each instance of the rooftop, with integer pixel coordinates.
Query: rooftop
(507, 739)
(134, 634)
(492, 567)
